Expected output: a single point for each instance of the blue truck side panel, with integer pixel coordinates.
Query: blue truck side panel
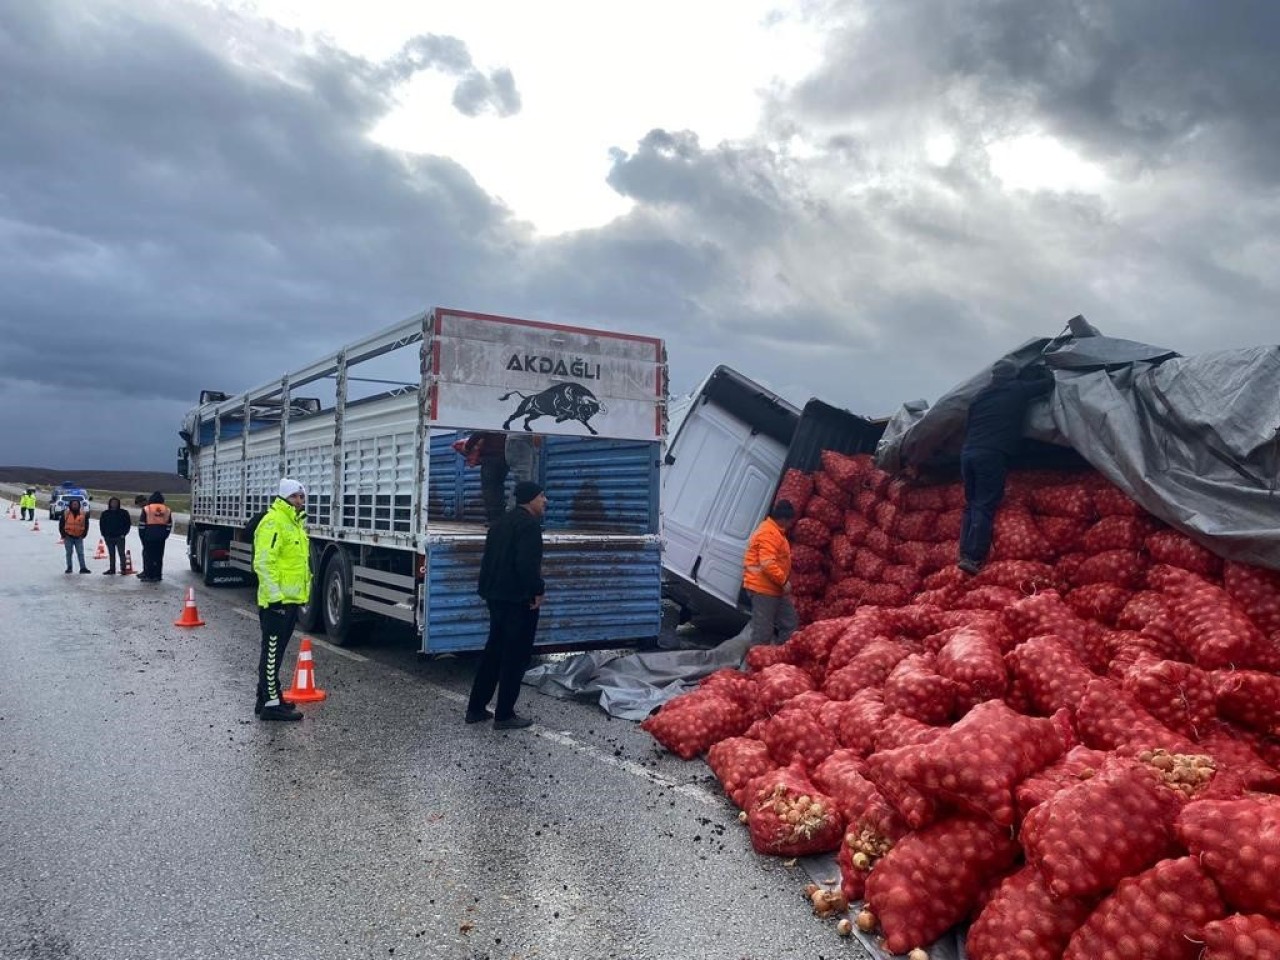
(599, 591)
(592, 484)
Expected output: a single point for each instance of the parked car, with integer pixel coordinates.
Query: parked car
(60, 499)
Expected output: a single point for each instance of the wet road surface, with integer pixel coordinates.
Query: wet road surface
(146, 814)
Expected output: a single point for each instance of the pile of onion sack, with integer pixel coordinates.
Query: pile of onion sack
(1075, 752)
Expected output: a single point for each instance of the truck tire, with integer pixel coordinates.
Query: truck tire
(311, 613)
(196, 554)
(335, 601)
(206, 562)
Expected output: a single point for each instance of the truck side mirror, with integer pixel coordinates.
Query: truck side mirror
(184, 463)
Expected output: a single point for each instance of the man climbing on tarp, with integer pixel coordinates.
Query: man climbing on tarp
(991, 438)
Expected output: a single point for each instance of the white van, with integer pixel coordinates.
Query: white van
(719, 474)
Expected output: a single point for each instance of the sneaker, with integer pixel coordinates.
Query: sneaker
(68, 570)
(513, 722)
(107, 572)
(478, 716)
(969, 566)
(86, 570)
(281, 711)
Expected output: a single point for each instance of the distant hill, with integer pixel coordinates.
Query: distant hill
(143, 481)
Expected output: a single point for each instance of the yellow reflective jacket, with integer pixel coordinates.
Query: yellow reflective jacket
(282, 556)
(28, 501)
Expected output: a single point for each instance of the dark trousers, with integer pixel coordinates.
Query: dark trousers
(277, 622)
(152, 557)
(505, 658)
(28, 513)
(493, 488)
(983, 472)
(115, 549)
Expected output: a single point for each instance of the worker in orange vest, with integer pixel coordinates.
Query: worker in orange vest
(73, 527)
(767, 577)
(154, 528)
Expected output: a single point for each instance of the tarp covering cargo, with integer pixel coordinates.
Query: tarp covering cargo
(1194, 440)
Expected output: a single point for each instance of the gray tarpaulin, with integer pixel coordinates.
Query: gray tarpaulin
(631, 686)
(1194, 440)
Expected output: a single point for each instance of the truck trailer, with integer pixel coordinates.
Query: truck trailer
(394, 513)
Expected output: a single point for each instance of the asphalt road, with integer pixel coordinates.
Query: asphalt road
(146, 814)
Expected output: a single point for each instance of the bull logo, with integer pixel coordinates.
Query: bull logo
(564, 401)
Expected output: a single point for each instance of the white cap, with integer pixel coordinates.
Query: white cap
(289, 487)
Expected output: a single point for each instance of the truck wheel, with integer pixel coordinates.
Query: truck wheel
(311, 613)
(196, 554)
(339, 618)
(206, 560)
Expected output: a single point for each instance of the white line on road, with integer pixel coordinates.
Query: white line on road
(564, 739)
(315, 640)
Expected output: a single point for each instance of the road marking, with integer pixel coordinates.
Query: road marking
(314, 640)
(692, 791)
(564, 739)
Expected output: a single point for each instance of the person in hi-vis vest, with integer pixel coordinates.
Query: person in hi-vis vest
(153, 530)
(282, 561)
(73, 526)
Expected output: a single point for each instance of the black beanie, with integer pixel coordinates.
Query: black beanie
(526, 490)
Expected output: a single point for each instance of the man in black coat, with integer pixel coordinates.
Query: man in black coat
(991, 439)
(511, 584)
(114, 526)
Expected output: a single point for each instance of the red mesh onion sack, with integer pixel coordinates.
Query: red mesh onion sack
(1241, 937)
(1110, 501)
(950, 524)
(1050, 674)
(1250, 698)
(885, 516)
(916, 689)
(1210, 625)
(915, 807)
(1117, 533)
(1102, 602)
(1087, 838)
(870, 667)
(1070, 500)
(796, 487)
(1016, 537)
(900, 730)
(1238, 842)
(846, 469)
(1179, 695)
(1045, 612)
(1023, 921)
(777, 684)
(806, 559)
(1080, 763)
(1257, 591)
(1122, 568)
(797, 736)
(867, 564)
(1025, 576)
(842, 550)
(867, 624)
(862, 719)
(1235, 754)
(827, 488)
(1178, 550)
(736, 686)
(987, 598)
(846, 588)
(763, 656)
(932, 498)
(736, 762)
(1063, 534)
(693, 722)
(930, 880)
(788, 817)
(840, 777)
(1107, 718)
(917, 524)
(811, 533)
(971, 658)
(856, 527)
(1157, 914)
(812, 644)
(825, 512)
(865, 503)
(977, 763)
(886, 595)
(810, 584)
(1142, 608)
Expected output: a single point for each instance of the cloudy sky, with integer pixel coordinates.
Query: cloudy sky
(860, 200)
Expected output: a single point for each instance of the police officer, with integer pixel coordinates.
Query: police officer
(153, 530)
(27, 504)
(282, 561)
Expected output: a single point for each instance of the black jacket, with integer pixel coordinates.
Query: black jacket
(114, 522)
(997, 412)
(511, 570)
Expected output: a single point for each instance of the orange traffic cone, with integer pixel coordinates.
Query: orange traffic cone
(35, 527)
(101, 552)
(127, 569)
(190, 615)
(304, 678)
(13, 511)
